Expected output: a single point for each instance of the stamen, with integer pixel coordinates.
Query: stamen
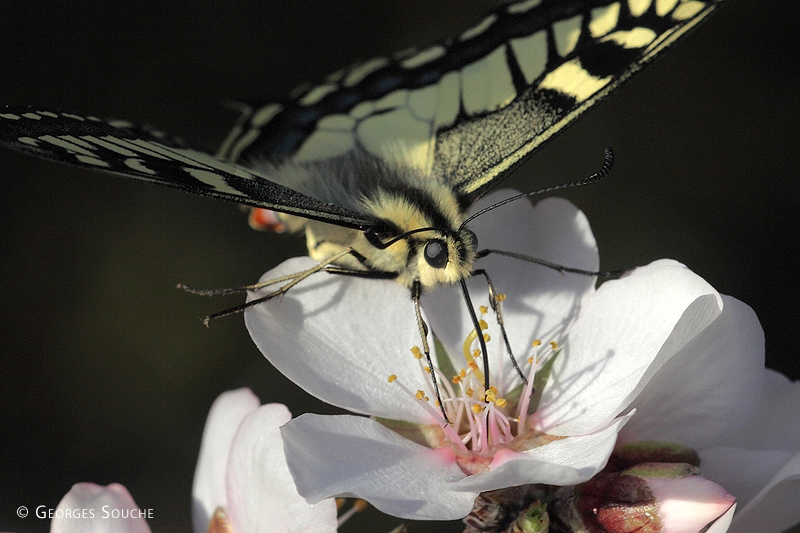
(536, 364)
(358, 506)
(416, 352)
(436, 414)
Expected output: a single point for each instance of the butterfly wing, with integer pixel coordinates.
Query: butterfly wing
(135, 152)
(465, 111)
(468, 110)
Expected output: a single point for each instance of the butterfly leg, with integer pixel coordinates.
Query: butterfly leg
(494, 302)
(235, 290)
(416, 293)
(293, 279)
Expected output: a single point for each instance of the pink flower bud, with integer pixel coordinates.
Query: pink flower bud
(648, 498)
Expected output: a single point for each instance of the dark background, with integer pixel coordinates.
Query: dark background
(107, 372)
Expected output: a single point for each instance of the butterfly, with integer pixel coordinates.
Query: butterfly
(380, 163)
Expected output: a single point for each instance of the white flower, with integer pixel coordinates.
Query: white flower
(242, 471)
(715, 396)
(241, 484)
(340, 337)
(90, 508)
(761, 461)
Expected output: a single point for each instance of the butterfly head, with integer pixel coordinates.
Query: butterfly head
(420, 237)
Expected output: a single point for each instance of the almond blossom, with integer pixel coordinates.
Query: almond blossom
(90, 508)
(596, 350)
(242, 481)
(241, 485)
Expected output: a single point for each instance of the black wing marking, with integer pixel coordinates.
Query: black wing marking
(586, 51)
(469, 109)
(133, 152)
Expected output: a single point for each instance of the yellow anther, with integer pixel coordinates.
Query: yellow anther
(530, 360)
(456, 379)
(501, 297)
(473, 365)
(420, 395)
(554, 345)
(360, 505)
(436, 403)
(477, 408)
(482, 323)
(476, 353)
(536, 343)
(392, 378)
(486, 337)
(483, 309)
(416, 352)
(469, 392)
(463, 373)
(493, 389)
(340, 502)
(500, 402)
(428, 369)
(488, 396)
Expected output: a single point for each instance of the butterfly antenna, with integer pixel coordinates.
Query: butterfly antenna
(608, 162)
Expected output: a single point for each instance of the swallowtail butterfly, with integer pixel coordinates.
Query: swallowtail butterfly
(380, 162)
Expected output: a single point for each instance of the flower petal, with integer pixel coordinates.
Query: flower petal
(755, 455)
(775, 425)
(689, 503)
(208, 488)
(722, 523)
(356, 456)
(540, 301)
(566, 461)
(775, 508)
(742, 472)
(101, 510)
(262, 497)
(709, 388)
(624, 334)
(340, 338)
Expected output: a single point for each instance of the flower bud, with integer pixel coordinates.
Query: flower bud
(646, 498)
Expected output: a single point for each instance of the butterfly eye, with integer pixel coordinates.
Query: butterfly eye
(436, 253)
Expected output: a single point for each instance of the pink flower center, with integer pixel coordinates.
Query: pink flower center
(479, 421)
